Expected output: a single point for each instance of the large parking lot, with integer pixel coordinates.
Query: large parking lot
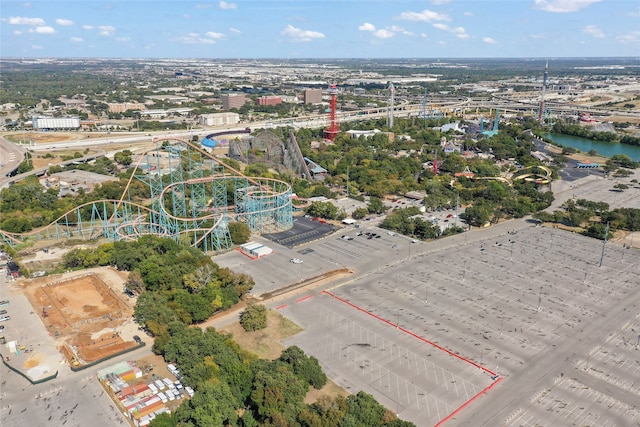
(530, 304)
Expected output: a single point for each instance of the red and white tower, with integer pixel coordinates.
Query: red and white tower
(334, 126)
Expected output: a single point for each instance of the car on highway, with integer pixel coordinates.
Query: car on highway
(296, 260)
(3, 318)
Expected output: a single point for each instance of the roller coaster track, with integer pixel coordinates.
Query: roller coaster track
(538, 178)
(191, 207)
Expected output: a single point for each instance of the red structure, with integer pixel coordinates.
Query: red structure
(436, 171)
(334, 126)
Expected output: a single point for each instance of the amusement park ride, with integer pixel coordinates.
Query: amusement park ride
(194, 196)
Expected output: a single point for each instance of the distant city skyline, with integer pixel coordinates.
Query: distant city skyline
(320, 29)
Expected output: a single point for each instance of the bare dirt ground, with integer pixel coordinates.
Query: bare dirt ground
(84, 311)
(266, 342)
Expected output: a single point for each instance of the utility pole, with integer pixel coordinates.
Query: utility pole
(604, 242)
(347, 181)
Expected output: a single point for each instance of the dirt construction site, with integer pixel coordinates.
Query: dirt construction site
(86, 313)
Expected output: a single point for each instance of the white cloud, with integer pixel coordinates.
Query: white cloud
(77, 39)
(19, 20)
(196, 38)
(440, 2)
(43, 30)
(212, 35)
(426, 16)
(489, 40)
(594, 31)
(384, 34)
(123, 39)
(300, 35)
(633, 37)
(233, 30)
(203, 6)
(227, 6)
(468, 14)
(460, 32)
(106, 30)
(367, 27)
(17, 32)
(37, 47)
(563, 6)
(87, 27)
(64, 22)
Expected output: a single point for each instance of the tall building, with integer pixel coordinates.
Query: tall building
(312, 96)
(233, 101)
(269, 100)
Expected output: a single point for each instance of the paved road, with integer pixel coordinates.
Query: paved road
(11, 155)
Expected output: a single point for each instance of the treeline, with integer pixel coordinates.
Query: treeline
(584, 132)
(495, 200)
(593, 217)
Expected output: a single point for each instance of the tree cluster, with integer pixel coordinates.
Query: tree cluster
(593, 217)
(234, 388)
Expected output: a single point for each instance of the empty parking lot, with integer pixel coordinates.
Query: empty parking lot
(531, 304)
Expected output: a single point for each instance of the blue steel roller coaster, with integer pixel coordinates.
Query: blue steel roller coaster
(190, 192)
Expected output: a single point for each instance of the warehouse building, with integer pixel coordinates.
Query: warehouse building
(46, 123)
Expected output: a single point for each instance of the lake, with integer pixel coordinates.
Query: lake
(606, 149)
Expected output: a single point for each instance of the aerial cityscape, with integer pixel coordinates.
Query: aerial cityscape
(357, 213)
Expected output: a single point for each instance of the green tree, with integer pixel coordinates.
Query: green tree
(376, 206)
(305, 367)
(254, 317)
(359, 213)
(277, 392)
(240, 232)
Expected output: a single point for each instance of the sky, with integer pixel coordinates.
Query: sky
(320, 29)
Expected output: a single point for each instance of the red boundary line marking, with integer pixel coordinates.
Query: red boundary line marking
(281, 306)
(304, 298)
(468, 402)
(439, 347)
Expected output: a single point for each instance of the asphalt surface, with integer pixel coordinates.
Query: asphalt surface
(11, 155)
(530, 304)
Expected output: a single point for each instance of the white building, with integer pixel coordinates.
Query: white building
(56, 122)
(218, 119)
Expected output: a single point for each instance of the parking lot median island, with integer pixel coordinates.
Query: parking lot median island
(312, 280)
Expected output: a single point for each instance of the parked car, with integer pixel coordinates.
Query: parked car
(296, 260)
(3, 318)
(3, 312)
